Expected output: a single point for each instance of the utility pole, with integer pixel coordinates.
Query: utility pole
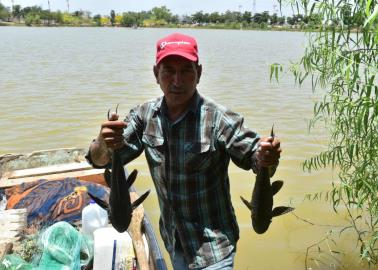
(275, 10)
(254, 7)
(12, 10)
(68, 6)
(48, 20)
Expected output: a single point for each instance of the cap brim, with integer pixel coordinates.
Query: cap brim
(182, 54)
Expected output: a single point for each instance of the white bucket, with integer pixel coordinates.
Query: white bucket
(113, 250)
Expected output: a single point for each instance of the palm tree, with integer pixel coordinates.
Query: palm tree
(17, 12)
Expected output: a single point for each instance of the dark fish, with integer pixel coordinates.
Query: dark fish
(119, 208)
(261, 204)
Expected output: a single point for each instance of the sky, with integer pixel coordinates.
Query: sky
(187, 7)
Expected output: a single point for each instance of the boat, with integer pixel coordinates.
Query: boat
(58, 164)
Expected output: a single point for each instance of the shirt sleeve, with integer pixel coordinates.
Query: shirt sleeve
(238, 141)
(132, 136)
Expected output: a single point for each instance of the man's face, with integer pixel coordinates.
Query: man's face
(178, 78)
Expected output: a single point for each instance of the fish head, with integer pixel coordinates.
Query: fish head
(262, 225)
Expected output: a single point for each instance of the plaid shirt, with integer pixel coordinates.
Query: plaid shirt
(188, 160)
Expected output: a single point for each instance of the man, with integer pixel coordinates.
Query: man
(188, 141)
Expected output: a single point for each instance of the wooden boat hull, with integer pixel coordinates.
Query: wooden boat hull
(58, 164)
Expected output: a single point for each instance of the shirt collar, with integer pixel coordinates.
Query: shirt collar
(161, 106)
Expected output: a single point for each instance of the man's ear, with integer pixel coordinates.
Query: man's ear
(156, 72)
(199, 72)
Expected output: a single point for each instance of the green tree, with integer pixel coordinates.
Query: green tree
(97, 19)
(346, 14)
(45, 16)
(175, 19)
(161, 13)
(247, 17)
(274, 19)
(342, 58)
(281, 20)
(17, 12)
(112, 17)
(265, 17)
(57, 17)
(4, 12)
(78, 13)
(130, 19)
(261, 18)
(313, 20)
(215, 17)
(198, 17)
(32, 19)
(232, 16)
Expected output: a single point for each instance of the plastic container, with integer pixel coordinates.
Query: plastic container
(113, 250)
(93, 217)
(3, 203)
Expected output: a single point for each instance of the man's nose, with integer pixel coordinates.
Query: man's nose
(177, 78)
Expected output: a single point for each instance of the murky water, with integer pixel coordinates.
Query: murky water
(56, 85)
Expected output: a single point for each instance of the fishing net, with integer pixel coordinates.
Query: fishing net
(14, 262)
(63, 247)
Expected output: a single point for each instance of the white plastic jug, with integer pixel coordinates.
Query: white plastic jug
(93, 217)
(113, 250)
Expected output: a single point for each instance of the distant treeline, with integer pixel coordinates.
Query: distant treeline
(158, 17)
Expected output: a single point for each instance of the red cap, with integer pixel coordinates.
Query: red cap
(177, 44)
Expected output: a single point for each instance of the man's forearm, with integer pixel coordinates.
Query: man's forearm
(99, 152)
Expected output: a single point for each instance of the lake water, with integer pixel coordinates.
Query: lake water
(56, 85)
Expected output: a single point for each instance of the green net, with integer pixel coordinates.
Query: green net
(63, 247)
(14, 262)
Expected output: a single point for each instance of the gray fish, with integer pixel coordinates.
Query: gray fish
(261, 205)
(119, 208)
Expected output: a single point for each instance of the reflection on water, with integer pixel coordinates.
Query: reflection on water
(57, 84)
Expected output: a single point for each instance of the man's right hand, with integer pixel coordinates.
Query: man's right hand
(112, 132)
(110, 138)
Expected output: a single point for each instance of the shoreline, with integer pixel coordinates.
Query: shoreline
(210, 27)
(294, 28)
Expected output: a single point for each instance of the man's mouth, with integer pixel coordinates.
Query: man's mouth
(177, 91)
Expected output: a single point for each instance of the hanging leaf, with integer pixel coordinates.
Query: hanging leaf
(372, 17)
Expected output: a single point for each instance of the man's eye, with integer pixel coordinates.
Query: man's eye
(187, 70)
(168, 71)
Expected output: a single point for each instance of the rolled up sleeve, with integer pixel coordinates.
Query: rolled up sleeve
(132, 135)
(238, 141)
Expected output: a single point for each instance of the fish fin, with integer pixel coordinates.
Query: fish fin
(131, 178)
(101, 203)
(108, 177)
(247, 203)
(276, 186)
(280, 210)
(138, 201)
